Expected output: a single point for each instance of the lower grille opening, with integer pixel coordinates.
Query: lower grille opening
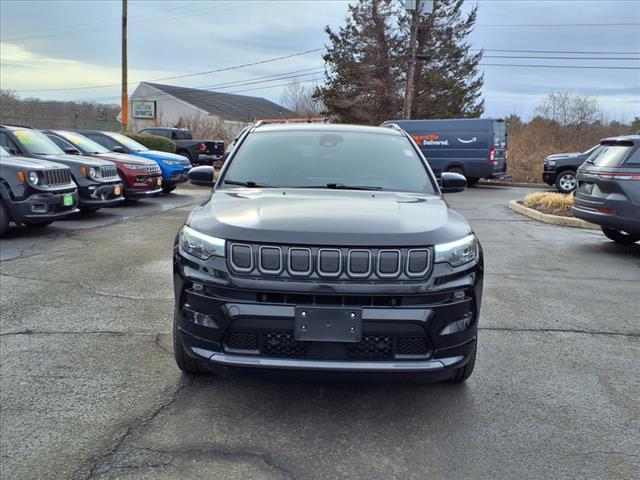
(282, 344)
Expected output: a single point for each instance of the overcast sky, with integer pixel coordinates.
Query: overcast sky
(62, 44)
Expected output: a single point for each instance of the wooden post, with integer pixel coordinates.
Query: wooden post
(124, 115)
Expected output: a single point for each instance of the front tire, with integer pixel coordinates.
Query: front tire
(89, 209)
(168, 188)
(185, 362)
(463, 373)
(620, 237)
(4, 220)
(566, 181)
(471, 181)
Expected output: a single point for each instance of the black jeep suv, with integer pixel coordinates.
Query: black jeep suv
(327, 248)
(34, 193)
(98, 182)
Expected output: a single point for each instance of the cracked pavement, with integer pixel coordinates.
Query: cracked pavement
(89, 389)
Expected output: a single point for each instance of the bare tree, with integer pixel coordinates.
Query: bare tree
(299, 98)
(569, 109)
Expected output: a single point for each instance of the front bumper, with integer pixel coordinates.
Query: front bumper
(144, 187)
(230, 322)
(177, 177)
(47, 206)
(101, 195)
(549, 177)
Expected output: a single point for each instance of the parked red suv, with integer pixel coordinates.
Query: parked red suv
(141, 177)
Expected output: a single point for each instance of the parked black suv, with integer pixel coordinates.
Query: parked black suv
(608, 191)
(560, 169)
(199, 152)
(98, 182)
(34, 193)
(327, 248)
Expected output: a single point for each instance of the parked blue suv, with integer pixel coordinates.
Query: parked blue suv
(175, 168)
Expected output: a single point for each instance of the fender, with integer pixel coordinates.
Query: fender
(7, 198)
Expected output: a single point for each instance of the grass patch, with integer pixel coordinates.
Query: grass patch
(550, 202)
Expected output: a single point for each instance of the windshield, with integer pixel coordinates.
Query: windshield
(329, 160)
(127, 142)
(3, 152)
(82, 142)
(37, 143)
(609, 155)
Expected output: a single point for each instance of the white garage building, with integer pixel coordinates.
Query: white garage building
(156, 105)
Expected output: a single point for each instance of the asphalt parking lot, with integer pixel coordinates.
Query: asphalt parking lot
(89, 389)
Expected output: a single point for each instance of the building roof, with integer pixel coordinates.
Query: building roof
(227, 106)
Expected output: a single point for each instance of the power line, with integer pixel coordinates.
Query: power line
(555, 51)
(557, 66)
(225, 69)
(560, 58)
(510, 25)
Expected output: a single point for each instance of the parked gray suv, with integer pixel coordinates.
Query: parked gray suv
(608, 192)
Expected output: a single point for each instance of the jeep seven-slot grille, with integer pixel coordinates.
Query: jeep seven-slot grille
(109, 172)
(153, 169)
(282, 344)
(58, 177)
(329, 262)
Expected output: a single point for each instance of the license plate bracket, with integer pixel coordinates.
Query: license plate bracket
(328, 324)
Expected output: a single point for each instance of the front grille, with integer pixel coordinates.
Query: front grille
(282, 344)
(372, 347)
(153, 169)
(58, 177)
(330, 262)
(109, 172)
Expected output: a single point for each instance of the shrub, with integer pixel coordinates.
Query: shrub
(153, 142)
(550, 202)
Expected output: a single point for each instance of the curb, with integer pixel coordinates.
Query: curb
(551, 219)
(516, 184)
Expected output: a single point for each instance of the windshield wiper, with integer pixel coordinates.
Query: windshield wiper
(248, 183)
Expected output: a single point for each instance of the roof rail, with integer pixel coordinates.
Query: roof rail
(7, 125)
(394, 126)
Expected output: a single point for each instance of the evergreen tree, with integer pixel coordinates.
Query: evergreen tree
(364, 65)
(447, 84)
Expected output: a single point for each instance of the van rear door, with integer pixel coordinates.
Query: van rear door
(499, 146)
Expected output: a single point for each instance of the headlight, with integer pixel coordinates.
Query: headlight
(459, 252)
(172, 162)
(201, 245)
(551, 163)
(133, 166)
(34, 178)
(95, 173)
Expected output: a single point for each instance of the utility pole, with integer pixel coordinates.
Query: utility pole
(124, 115)
(417, 8)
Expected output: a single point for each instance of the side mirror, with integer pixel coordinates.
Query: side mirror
(118, 149)
(72, 151)
(452, 182)
(203, 176)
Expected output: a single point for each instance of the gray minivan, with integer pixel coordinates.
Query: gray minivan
(473, 147)
(608, 192)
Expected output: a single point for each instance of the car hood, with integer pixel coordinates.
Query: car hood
(124, 158)
(75, 160)
(559, 156)
(328, 217)
(158, 155)
(31, 163)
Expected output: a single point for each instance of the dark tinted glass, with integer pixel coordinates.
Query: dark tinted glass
(609, 155)
(315, 159)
